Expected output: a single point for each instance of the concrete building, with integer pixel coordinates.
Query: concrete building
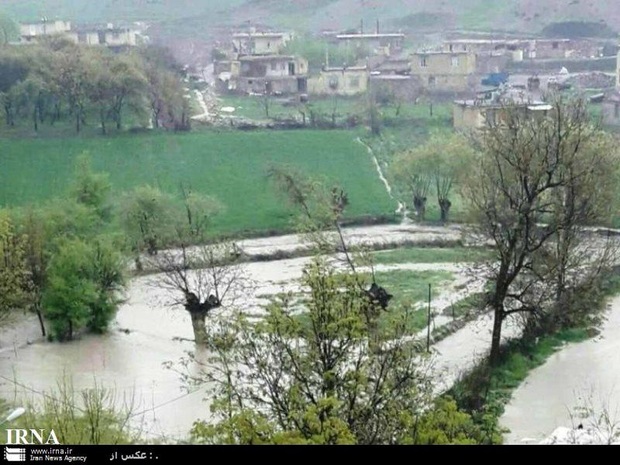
(32, 31)
(259, 43)
(118, 37)
(110, 36)
(611, 109)
(344, 81)
(271, 74)
(444, 71)
(376, 43)
(490, 106)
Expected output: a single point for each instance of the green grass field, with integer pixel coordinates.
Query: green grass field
(410, 289)
(432, 255)
(231, 166)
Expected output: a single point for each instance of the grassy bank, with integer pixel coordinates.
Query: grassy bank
(230, 166)
(432, 255)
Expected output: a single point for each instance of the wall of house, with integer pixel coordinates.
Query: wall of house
(120, 37)
(89, 38)
(266, 45)
(467, 117)
(43, 28)
(611, 113)
(275, 67)
(448, 83)
(339, 82)
(487, 63)
(250, 85)
(443, 63)
(545, 49)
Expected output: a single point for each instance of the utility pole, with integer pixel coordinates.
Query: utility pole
(428, 326)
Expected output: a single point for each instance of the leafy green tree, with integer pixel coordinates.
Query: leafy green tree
(536, 183)
(438, 164)
(82, 287)
(13, 267)
(90, 188)
(70, 291)
(317, 379)
(9, 30)
(146, 216)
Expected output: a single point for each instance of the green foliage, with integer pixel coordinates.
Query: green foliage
(146, 218)
(83, 281)
(69, 292)
(437, 165)
(339, 379)
(56, 82)
(91, 189)
(9, 30)
(13, 267)
(85, 417)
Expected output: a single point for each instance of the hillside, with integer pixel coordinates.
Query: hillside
(196, 17)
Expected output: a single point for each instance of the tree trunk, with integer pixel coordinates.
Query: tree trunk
(37, 309)
(419, 204)
(496, 339)
(199, 327)
(77, 121)
(102, 116)
(444, 207)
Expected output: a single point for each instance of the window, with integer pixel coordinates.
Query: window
(617, 111)
(451, 47)
(431, 80)
(268, 44)
(555, 45)
(333, 82)
(354, 82)
(423, 63)
(274, 66)
(455, 61)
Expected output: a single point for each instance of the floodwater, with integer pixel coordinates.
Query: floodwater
(586, 374)
(148, 332)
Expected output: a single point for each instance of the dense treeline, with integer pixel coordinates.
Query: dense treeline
(57, 81)
(66, 260)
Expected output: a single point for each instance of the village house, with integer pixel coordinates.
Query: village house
(376, 43)
(32, 31)
(110, 36)
(391, 76)
(611, 101)
(525, 48)
(490, 105)
(270, 74)
(440, 71)
(259, 43)
(611, 108)
(345, 81)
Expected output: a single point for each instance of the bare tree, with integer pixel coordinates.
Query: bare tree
(525, 164)
(198, 277)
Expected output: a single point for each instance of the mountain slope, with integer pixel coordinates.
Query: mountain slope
(510, 15)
